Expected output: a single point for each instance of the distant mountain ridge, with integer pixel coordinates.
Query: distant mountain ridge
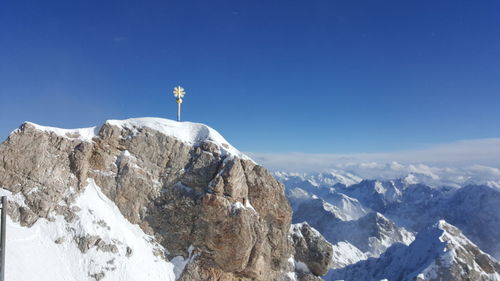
(440, 252)
(365, 218)
(433, 176)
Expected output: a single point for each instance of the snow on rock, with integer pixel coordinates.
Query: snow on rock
(312, 253)
(372, 234)
(344, 253)
(329, 203)
(238, 205)
(191, 133)
(188, 132)
(316, 180)
(17, 198)
(100, 244)
(84, 134)
(344, 219)
(180, 262)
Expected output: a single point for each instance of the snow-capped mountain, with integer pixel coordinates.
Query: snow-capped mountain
(440, 252)
(175, 199)
(363, 219)
(336, 206)
(433, 176)
(316, 180)
(141, 199)
(341, 206)
(372, 234)
(345, 223)
(475, 209)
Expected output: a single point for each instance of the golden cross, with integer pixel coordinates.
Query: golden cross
(179, 92)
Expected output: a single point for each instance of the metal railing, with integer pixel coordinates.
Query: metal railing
(2, 238)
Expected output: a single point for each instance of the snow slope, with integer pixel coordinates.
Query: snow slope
(84, 134)
(344, 253)
(122, 252)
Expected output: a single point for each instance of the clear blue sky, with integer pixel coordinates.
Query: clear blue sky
(272, 76)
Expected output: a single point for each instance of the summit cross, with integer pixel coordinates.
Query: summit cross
(179, 94)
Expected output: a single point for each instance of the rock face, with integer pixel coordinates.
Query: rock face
(311, 248)
(197, 193)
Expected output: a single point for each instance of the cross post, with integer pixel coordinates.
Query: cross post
(179, 94)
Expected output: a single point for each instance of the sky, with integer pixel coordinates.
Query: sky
(468, 155)
(274, 77)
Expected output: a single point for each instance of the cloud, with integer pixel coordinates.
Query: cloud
(483, 152)
(119, 39)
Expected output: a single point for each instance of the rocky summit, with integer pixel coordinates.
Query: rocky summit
(145, 199)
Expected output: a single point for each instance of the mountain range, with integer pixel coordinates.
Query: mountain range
(370, 220)
(155, 199)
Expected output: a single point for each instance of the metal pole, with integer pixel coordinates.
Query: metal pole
(2, 239)
(178, 113)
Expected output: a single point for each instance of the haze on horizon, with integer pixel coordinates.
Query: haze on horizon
(327, 77)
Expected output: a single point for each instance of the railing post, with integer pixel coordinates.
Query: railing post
(2, 238)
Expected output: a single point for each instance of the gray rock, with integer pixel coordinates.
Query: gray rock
(128, 252)
(311, 248)
(98, 276)
(301, 276)
(59, 240)
(86, 242)
(68, 213)
(27, 217)
(106, 247)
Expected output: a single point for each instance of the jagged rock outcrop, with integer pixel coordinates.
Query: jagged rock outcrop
(193, 192)
(311, 248)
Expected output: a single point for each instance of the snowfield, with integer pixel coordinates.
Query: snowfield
(48, 250)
